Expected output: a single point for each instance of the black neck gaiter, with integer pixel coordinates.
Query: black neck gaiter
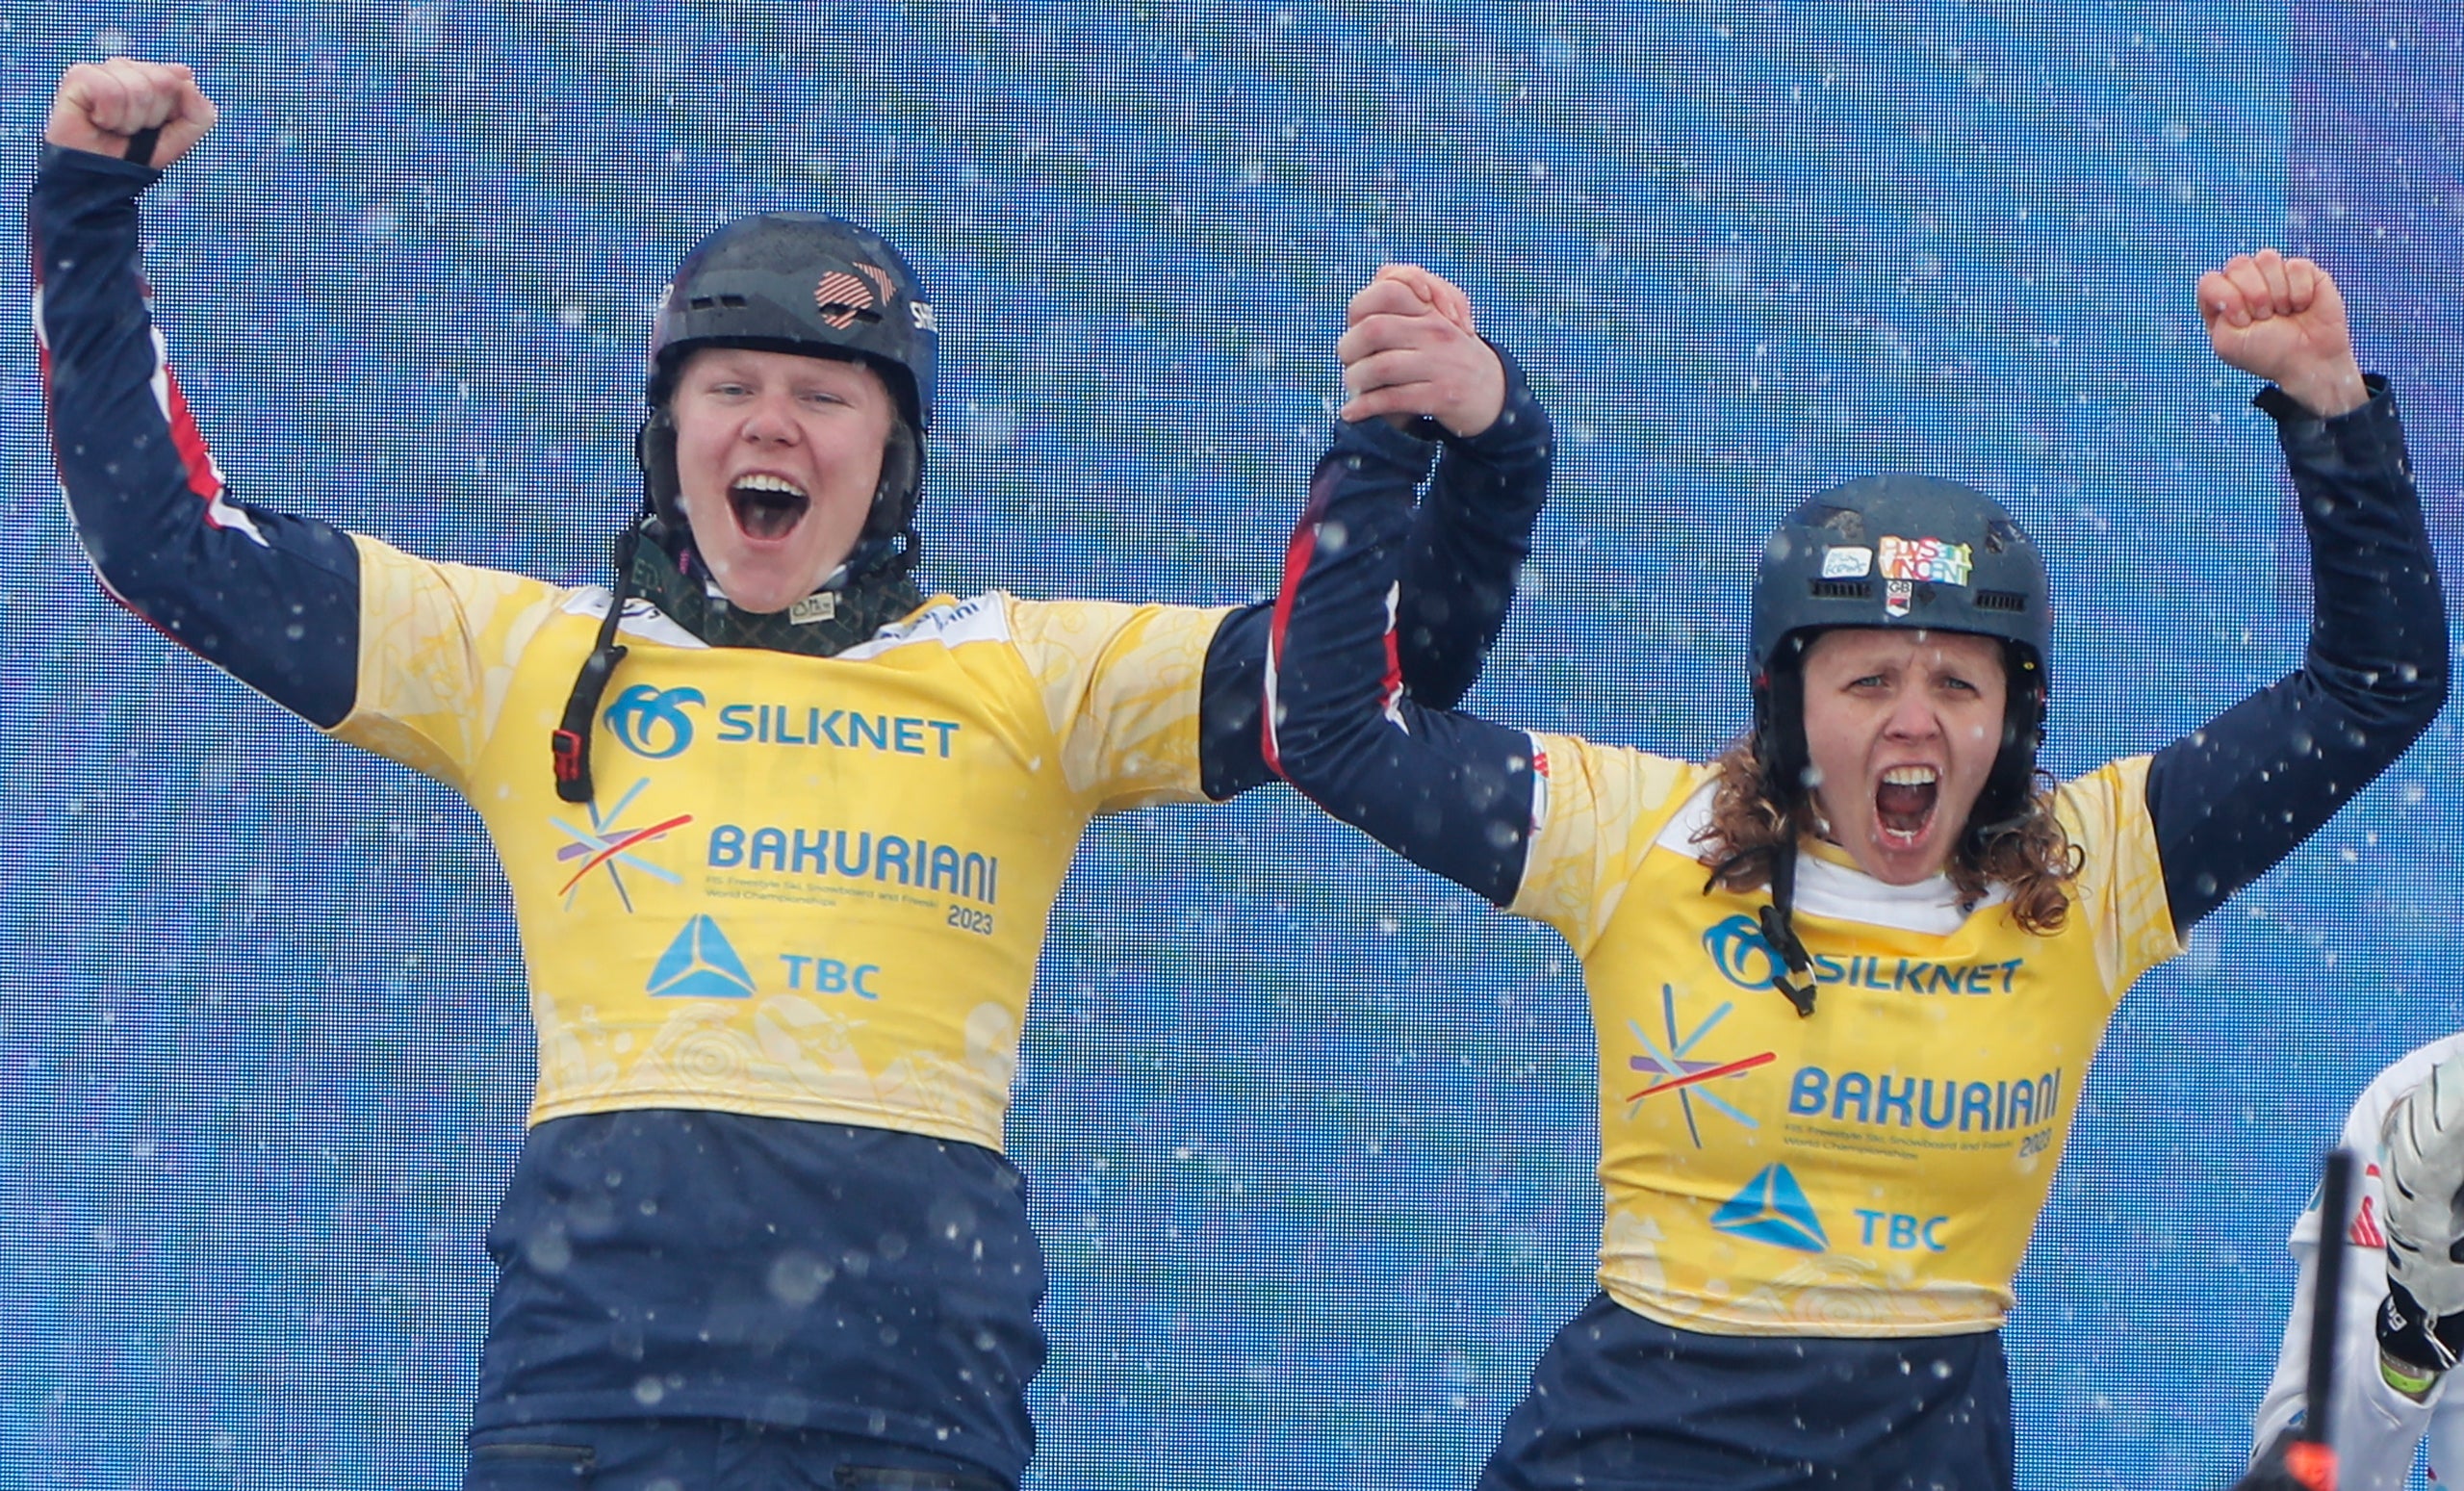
(825, 625)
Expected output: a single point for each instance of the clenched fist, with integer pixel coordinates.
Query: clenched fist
(2283, 320)
(103, 106)
(1411, 350)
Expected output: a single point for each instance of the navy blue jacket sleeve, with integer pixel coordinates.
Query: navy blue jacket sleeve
(1451, 792)
(2233, 798)
(271, 599)
(1460, 555)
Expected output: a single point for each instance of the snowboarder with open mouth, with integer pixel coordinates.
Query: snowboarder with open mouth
(781, 832)
(1846, 980)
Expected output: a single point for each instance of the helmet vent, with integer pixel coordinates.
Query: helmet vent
(2002, 601)
(1841, 589)
(1999, 535)
(837, 311)
(710, 302)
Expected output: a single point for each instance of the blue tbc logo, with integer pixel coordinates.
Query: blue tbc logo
(652, 721)
(1773, 1208)
(699, 964)
(1744, 959)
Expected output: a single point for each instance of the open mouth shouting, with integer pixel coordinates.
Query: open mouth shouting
(1904, 804)
(767, 507)
(778, 459)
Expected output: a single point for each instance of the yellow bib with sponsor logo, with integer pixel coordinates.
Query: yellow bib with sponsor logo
(1875, 1169)
(807, 888)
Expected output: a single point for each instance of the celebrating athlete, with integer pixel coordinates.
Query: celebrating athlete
(1847, 979)
(781, 833)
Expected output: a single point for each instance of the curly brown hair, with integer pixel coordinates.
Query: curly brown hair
(2029, 854)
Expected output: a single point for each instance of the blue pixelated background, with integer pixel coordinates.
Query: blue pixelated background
(1310, 1134)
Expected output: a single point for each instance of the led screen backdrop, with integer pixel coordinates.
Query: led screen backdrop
(1309, 1134)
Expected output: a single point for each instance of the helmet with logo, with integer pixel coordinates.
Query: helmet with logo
(1892, 552)
(816, 286)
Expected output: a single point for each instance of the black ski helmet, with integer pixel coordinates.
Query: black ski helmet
(816, 286)
(1901, 551)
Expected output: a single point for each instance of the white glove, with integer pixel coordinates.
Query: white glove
(2422, 1166)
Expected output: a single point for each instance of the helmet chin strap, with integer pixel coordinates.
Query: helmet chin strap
(569, 744)
(1780, 732)
(1794, 976)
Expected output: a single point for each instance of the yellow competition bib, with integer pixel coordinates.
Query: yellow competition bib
(1875, 1169)
(807, 888)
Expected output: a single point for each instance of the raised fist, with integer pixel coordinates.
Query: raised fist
(2283, 320)
(103, 106)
